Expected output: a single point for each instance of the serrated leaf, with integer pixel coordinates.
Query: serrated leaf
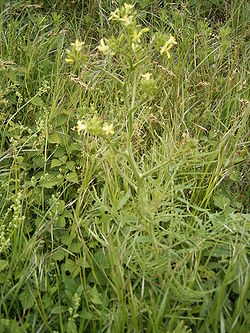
(64, 238)
(102, 260)
(68, 214)
(75, 247)
(98, 277)
(70, 266)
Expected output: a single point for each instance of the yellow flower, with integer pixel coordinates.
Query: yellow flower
(128, 8)
(114, 15)
(69, 60)
(77, 46)
(137, 37)
(125, 15)
(108, 129)
(104, 48)
(147, 76)
(127, 20)
(167, 46)
(80, 126)
(73, 54)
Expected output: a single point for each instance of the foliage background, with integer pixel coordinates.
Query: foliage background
(76, 253)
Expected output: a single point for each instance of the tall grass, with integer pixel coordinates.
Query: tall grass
(79, 250)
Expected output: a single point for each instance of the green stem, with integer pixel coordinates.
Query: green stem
(156, 168)
(112, 75)
(129, 153)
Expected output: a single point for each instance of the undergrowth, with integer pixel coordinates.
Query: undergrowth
(123, 166)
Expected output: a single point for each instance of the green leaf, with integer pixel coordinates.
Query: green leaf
(49, 181)
(95, 298)
(181, 328)
(75, 247)
(87, 315)
(37, 101)
(3, 264)
(3, 278)
(55, 163)
(39, 161)
(63, 158)
(98, 277)
(221, 201)
(60, 222)
(68, 214)
(72, 177)
(235, 175)
(65, 238)
(54, 138)
(59, 254)
(60, 152)
(123, 200)
(9, 326)
(59, 309)
(101, 259)
(71, 326)
(58, 207)
(70, 284)
(61, 119)
(26, 299)
(71, 267)
(70, 165)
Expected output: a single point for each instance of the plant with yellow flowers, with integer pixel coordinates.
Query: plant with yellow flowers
(136, 85)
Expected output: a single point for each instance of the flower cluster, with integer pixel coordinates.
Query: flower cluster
(167, 46)
(75, 52)
(95, 127)
(10, 222)
(147, 84)
(125, 15)
(104, 47)
(137, 37)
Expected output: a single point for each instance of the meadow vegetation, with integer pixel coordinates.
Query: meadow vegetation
(123, 166)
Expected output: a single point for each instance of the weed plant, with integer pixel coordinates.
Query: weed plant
(123, 166)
